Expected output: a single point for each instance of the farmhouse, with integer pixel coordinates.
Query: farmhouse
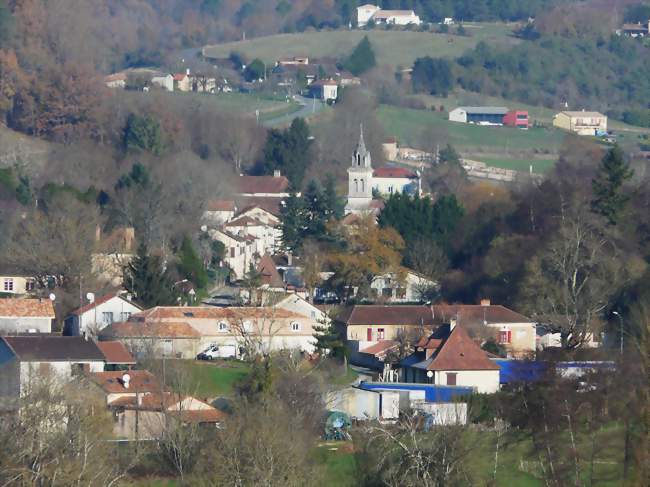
(116, 80)
(582, 122)
(324, 89)
(372, 13)
(99, 313)
(478, 115)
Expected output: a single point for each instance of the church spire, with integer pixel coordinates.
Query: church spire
(361, 146)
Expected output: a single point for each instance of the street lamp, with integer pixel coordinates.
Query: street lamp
(621, 320)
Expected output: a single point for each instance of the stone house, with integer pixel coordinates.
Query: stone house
(28, 315)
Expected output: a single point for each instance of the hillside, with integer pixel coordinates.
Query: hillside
(392, 47)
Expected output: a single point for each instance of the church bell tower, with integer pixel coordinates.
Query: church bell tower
(360, 179)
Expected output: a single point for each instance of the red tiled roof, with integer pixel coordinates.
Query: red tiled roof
(221, 205)
(428, 343)
(112, 382)
(115, 77)
(209, 312)
(26, 308)
(393, 172)
(180, 76)
(380, 348)
(101, 300)
(269, 272)
(262, 184)
(460, 352)
(128, 329)
(116, 353)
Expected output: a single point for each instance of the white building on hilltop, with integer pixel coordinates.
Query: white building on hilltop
(369, 12)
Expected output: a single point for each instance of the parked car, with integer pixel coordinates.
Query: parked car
(218, 351)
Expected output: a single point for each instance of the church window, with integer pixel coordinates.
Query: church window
(363, 185)
(358, 159)
(356, 185)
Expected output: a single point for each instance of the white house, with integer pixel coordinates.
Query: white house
(368, 12)
(450, 357)
(219, 212)
(98, 314)
(409, 288)
(389, 180)
(240, 251)
(324, 89)
(25, 359)
(166, 82)
(26, 315)
(116, 80)
(267, 234)
(190, 330)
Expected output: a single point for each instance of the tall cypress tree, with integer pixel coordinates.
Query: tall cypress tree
(190, 266)
(609, 200)
(362, 58)
(147, 279)
(293, 222)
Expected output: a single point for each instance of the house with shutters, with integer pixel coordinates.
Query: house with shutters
(365, 325)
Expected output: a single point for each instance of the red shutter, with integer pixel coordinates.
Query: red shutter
(369, 334)
(509, 336)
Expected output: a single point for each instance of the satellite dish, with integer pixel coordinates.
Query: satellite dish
(430, 374)
(52, 297)
(90, 297)
(126, 378)
(204, 228)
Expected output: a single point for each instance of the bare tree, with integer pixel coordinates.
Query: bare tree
(255, 329)
(429, 260)
(407, 455)
(240, 142)
(569, 284)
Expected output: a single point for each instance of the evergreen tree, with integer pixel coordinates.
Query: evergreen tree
(288, 151)
(328, 340)
(362, 58)
(143, 133)
(293, 222)
(190, 266)
(147, 279)
(315, 211)
(609, 200)
(333, 204)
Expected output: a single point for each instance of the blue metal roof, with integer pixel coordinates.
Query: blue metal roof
(520, 370)
(432, 392)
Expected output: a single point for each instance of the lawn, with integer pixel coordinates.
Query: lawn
(540, 166)
(210, 379)
(392, 47)
(411, 126)
(243, 103)
(338, 463)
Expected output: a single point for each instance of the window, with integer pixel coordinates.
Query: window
(380, 333)
(223, 326)
(363, 185)
(232, 252)
(505, 336)
(9, 284)
(107, 317)
(522, 116)
(166, 347)
(30, 285)
(401, 292)
(390, 189)
(356, 185)
(125, 315)
(451, 379)
(295, 326)
(387, 292)
(313, 315)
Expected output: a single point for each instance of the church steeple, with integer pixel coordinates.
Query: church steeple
(361, 156)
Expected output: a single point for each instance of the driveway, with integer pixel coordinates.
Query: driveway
(309, 107)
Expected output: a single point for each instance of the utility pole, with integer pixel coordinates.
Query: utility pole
(620, 318)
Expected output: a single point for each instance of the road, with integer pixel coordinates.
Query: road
(309, 107)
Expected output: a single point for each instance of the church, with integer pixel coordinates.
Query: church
(364, 182)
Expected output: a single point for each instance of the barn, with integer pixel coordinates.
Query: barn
(478, 115)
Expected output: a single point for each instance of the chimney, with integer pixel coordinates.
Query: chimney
(276, 173)
(485, 302)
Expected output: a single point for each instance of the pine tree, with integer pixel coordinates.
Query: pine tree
(362, 58)
(328, 340)
(293, 222)
(609, 201)
(334, 206)
(147, 279)
(190, 265)
(315, 211)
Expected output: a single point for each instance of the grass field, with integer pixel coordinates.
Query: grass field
(540, 166)
(501, 143)
(210, 379)
(243, 103)
(392, 47)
